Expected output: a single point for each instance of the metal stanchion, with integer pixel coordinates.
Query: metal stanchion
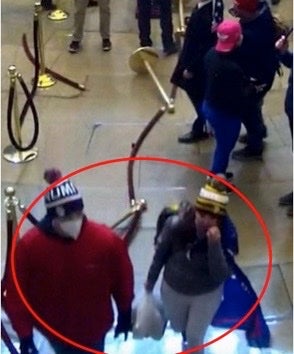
(142, 61)
(11, 153)
(10, 203)
(182, 26)
(136, 206)
(57, 14)
(44, 80)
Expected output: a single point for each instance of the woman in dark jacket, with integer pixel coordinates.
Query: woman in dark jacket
(225, 92)
(190, 250)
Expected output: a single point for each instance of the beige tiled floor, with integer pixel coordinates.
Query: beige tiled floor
(101, 123)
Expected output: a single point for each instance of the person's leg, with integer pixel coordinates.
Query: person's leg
(48, 5)
(79, 19)
(166, 25)
(201, 313)
(289, 108)
(226, 138)
(175, 307)
(104, 13)
(199, 124)
(199, 130)
(144, 22)
(256, 131)
(255, 126)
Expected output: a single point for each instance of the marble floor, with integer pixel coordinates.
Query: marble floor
(100, 124)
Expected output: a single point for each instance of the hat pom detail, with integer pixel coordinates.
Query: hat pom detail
(51, 175)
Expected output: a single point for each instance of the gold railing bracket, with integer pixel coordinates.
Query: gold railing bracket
(136, 206)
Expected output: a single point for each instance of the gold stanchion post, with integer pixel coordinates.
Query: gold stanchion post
(44, 80)
(182, 27)
(139, 205)
(57, 14)
(10, 153)
(142, 61)
(11, 202)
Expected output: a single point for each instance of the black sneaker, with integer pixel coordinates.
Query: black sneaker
(92, 3)
(47, 5)
(170, 50)
(74, 47)
(246, 155)
(106, 45)
(190, 137)
(243, 139)
(229, 176)
(286, 200)
(146, 43)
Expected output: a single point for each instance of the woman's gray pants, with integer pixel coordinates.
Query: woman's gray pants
(190, 314)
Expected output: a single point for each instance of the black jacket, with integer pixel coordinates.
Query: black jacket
(199, 38)
(257, 54)
(226, 85)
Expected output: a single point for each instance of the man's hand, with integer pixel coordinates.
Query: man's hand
(27, 346)
(124, 324)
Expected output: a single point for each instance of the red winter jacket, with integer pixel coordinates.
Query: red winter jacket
(69, 284)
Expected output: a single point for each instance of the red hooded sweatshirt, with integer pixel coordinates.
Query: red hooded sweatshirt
(70, 283)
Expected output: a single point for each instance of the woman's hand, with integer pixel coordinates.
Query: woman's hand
(148, 287)
(282, 44)
(213, 234)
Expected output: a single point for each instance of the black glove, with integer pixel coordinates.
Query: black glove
(27, 346)
(124, 323)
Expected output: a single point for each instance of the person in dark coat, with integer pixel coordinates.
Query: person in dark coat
(286, 58)
(258, 58)
(144, 24)
(189, 73)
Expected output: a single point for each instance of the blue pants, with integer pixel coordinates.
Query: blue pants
(226, 131)
(63, 348)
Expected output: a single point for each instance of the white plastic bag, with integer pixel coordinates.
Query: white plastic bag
(148, 318)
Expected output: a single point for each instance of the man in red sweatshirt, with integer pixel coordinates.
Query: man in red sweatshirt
(68, 269)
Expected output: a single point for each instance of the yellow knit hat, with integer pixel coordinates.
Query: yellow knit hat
(213, 197)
